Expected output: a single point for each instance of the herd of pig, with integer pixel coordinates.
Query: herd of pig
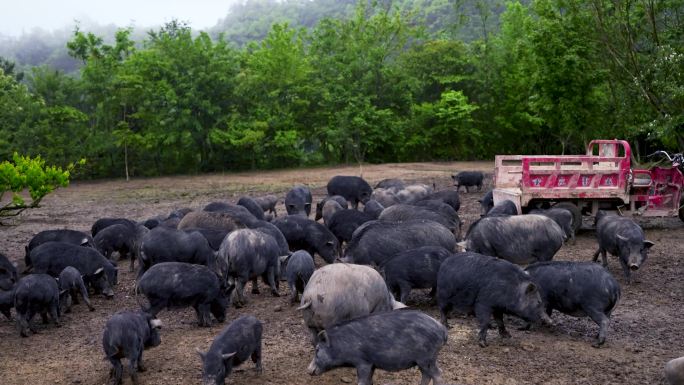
(406, 237)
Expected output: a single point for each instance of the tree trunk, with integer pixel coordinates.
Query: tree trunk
(126, 158)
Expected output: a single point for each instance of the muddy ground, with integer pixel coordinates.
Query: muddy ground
(645, 332)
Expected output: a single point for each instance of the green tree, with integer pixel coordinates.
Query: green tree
(8, 67)
(444, 130)
(364, 90)
(643, 46)
(20, 110)
(505, 90)
(179, 89)
(570, 86)
(273, 99)
(435, 66)
(103, 104)
(33, 176)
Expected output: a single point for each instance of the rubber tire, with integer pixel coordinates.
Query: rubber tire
(576, 214)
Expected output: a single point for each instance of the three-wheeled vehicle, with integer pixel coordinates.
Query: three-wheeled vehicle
(603, 178)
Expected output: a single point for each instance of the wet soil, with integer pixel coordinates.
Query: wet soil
(646, 329)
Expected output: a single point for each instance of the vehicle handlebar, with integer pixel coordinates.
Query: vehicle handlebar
(677, 159)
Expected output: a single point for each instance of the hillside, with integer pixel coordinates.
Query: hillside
(251, 21)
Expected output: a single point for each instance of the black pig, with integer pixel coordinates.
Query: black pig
(253, 207)
(449, 197)
(403, 212)
(376, 242)
(623, 238)
(520, 239)
(70, 285)
(237, 342)
(373, 208)
(487, 286)
(306, 234)
(344, 222)
(63, 235)
(8, 273)
(178, 284)
(487, 202)
(298, 268)
(352, 188)
(397, 184)
(36, 294)
(6, 302)
(581, 289)
(502, 209)
(103, 223)
(169, 245)
(561, 216)
(389, 341)
(213, 236)
(468, 179)
(337, 198)
(414, 269)
(245, 255)
(268, 204)
(298, 201)
(121, 238)
(126, 335)
(96, 270)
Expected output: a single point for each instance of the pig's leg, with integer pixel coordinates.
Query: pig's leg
(602, 321)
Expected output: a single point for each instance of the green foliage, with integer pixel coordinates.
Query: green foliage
(364, 90)
(29, 174)
(7, 67)
(376, 82)
(251, 20)
(445, 129)
(273, 97)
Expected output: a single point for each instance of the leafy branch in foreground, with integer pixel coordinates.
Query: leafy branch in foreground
(26, 173)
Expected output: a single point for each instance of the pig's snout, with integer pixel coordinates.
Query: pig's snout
(312, 369)
(546, 320)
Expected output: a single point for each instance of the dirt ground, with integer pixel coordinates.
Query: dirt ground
(646, 329)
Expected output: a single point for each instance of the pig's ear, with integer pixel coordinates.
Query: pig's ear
(98, 271)
(461, 246)
(648, 244)
(306, 305)
(84, 241)
(323, 337)
(620, 237)
(202, 355)
(531, 288)
(284, 258)
(226, 357)
(156, 323)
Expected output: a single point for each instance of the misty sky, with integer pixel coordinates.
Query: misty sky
(17, 16)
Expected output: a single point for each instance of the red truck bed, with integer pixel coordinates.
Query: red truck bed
(602, 174)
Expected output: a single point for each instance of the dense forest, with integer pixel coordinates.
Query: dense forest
(373, 81)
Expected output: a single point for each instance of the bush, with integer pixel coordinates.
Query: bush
(26, 173)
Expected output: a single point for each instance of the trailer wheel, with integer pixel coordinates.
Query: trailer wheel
(576, 214)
